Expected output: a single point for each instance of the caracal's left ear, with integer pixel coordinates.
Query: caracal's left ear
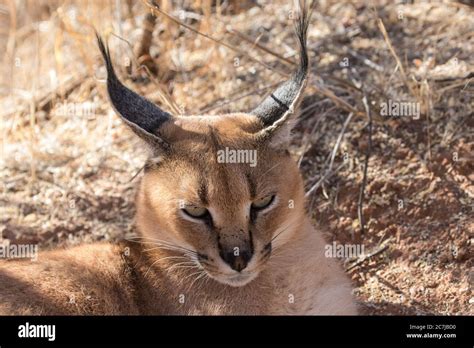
(277, 111)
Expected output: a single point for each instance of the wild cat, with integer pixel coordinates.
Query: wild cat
(214, 237)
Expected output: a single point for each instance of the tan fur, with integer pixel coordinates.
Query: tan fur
(129, 278)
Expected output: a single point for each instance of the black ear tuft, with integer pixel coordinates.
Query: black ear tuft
(277, 108)
(144, 117)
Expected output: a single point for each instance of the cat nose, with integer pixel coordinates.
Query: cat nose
(237, 262)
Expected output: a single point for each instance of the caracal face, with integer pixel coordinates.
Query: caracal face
(226, 213)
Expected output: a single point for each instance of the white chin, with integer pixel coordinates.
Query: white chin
(236, 280)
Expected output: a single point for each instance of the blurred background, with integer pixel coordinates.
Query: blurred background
(68, 165)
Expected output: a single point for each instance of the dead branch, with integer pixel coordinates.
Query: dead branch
(366, 165)
(377, 251)
(143, 50)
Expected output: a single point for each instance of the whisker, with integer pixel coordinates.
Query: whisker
(176, 247)
(279, 233)
(170, 248)
(156, 241)
(172, 257)
(203, 274)
(191, 275)
(185, 264)
(166, 258)
(167, 248)
(298, 225)
(148, 270)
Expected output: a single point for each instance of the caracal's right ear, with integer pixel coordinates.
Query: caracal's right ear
(142, 116)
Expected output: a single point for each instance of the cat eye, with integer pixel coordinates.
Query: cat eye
(196, 212)
(262, 203)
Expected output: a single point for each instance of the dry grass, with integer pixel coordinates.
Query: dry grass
(66, 175)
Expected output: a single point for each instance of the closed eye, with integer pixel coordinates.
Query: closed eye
(262, 203)
(196, 212)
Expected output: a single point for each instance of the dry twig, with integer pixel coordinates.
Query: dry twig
(366, 165)
(368, 256)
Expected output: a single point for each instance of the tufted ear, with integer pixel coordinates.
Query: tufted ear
(142, 116)
(277, 111)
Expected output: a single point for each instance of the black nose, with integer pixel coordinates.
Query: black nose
(237, 262)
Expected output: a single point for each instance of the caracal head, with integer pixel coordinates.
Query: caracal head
(221, 190)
